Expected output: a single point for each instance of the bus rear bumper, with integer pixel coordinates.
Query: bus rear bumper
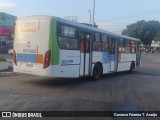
(54, 71)
(38, 72)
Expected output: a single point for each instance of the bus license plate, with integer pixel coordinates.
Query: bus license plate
(29, 65)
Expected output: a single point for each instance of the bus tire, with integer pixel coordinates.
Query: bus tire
(132, 66)
(97, 72)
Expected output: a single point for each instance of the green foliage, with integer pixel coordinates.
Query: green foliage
(143, 30)
(157, 37)
(2, 59)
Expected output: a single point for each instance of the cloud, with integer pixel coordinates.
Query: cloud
(7, 5)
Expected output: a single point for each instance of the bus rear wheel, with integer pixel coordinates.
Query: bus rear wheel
(97, 72)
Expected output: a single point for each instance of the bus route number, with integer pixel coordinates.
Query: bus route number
(67, 61)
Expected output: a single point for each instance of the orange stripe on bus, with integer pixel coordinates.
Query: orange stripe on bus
(40, 58)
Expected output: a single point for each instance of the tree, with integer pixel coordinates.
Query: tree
(143, 30)
(157, 37)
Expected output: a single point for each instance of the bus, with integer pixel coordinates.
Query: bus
(55, 47)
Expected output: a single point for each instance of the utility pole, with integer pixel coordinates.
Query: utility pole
(93, 13)
(90, 17)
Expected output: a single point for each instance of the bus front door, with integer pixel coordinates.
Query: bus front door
(138, 55)
(85, 66)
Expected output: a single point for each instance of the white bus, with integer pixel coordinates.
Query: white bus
(54, 47)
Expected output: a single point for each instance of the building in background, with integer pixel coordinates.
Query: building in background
(156, 45)
(7, 24)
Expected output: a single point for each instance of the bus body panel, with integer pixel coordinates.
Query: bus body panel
(104, 58)
(106, 61)
(55, 71)
(31, 42)
(125, 60)
(84, 64)
(96, 57)
(69, 63)
(53, 43)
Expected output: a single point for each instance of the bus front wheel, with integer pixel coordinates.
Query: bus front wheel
(97, 72)
(132, 66)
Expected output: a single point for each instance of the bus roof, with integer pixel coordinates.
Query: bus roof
(79, 25)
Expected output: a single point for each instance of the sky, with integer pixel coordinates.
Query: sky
(110, 15)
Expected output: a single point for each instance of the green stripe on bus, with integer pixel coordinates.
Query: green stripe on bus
(53, 45)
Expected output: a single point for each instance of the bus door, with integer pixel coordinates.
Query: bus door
(138, 54)
(85, 62)
(113, 51)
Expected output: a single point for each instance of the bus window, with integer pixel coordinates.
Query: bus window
(97, 46)
(121, 45)
(84, 42)
(104, 43)
(112, 45)
(67, 37)
(127, 46)
(133, 47)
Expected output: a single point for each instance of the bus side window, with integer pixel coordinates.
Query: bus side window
(59, 29)
(121, 45)
(112, 45)
(133, 46)
(104, 43)
(84, 42)
(67, 37)
(127, 46)
(97, 45)
(82, 39)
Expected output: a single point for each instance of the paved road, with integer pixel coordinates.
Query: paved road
(120, 91)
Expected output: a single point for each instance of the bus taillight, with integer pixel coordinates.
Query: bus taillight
(47, 59)
(14, 57)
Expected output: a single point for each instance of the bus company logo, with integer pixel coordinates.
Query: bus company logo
(6, 114)
(28, 44)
